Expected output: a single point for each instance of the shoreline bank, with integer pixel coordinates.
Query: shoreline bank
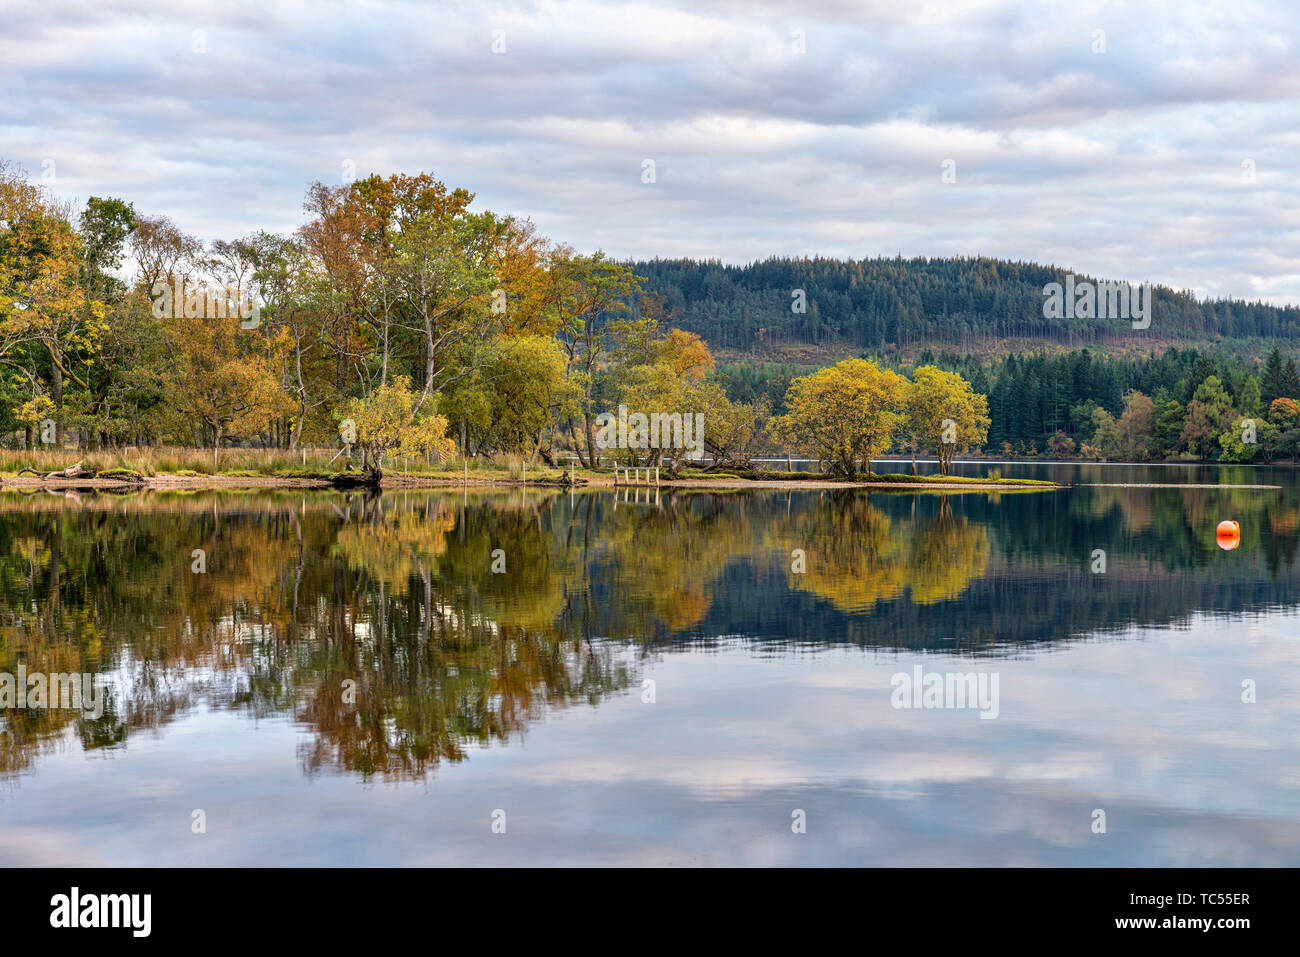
(398, 481)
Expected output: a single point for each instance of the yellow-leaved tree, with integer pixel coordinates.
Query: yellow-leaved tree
(222, 380)
(42, 303)
(390, 420)
(944, 414)
(844, 415)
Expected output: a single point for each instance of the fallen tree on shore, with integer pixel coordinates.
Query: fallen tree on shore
(80, 471)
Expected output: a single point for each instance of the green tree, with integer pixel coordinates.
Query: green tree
(1274, 381)
(1168, 428)
(1209, 414)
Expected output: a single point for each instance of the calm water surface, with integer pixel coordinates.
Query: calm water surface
(648, 682)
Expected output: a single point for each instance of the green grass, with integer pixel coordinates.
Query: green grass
(132, 463)
(270, 463)
(159, 461)
(957, 480)
(127, 475)
(236, 462)
(771, 475)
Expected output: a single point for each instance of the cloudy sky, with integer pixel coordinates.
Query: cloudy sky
(1146, 141)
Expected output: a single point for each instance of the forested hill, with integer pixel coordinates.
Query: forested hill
(871, 303)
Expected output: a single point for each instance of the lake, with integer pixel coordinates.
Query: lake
(1071, 677)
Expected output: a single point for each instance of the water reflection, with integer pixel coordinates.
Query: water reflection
(401, 631)
(857, 556)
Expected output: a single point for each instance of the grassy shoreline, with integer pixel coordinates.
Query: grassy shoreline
(201, 482)
(487, 475)
(586, 480)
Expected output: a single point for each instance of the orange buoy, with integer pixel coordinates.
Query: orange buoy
(1229, 535)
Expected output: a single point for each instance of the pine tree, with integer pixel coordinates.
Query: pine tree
(1291, 380)
(1272, 383)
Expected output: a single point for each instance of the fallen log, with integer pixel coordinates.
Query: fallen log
(72, 471)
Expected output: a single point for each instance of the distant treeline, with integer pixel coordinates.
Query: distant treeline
(1034, 399)
(874, 303)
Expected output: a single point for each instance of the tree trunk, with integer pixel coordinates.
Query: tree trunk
(591, 435)
(56, 387)
(383, 372)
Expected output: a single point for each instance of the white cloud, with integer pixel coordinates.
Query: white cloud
(1125, 163)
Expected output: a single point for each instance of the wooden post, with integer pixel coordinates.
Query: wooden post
(570, 473)
(467, 472)
(525, 473)
(656, 476)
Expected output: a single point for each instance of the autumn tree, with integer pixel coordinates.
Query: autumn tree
(1061, 445)
(734, 432)
(44, 300)
(352, 258)
(221, 380)
(163, 254)
(590, 293)
(844, 415)
(294, 294)
(945, 414)
(1106, 439)
(393, 418)
(444, 261)
(1136, 426)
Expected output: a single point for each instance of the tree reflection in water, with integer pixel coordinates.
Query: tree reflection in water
(378, 624)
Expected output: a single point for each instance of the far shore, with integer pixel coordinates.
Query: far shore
(452, 481)
(558, 479)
